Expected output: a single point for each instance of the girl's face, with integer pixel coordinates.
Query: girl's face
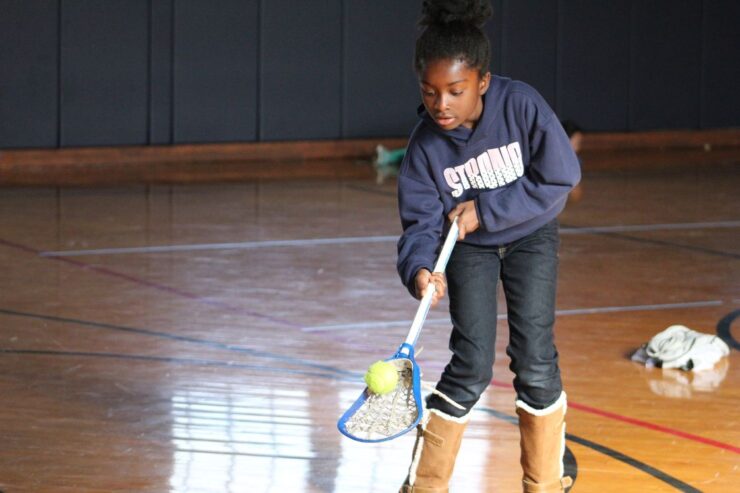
(452, 93)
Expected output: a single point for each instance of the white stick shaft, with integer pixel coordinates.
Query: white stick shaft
(426, 300)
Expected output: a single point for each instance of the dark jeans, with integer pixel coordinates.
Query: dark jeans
(528, 272)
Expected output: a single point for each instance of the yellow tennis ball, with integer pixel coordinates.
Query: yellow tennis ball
(381, 377)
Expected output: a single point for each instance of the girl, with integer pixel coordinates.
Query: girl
(489, 151)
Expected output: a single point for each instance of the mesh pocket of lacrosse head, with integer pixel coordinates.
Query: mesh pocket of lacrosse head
(376, 417)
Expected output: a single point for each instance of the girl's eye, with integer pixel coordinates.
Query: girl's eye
(456, 93)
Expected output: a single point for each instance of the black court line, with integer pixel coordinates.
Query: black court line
(609, 452)
(150, 284)
(174, 337)
(630, 461)
(332, 371)
(724, 329)
(350, 377)
(678, 246)
(571, 466)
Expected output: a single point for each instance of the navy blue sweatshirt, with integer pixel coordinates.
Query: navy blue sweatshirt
(517, 165)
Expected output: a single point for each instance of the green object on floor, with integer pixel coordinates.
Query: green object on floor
(387, 161)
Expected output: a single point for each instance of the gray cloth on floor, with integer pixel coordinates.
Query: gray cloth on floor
(683, 348)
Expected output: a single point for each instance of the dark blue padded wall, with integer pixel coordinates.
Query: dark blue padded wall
(160, 72)
(666, 64)
(29, 77)
(143, 72)
(381, 92)
(529, 43)
(593, 70)
(104, 50)
(300, 70)
(494, 29)
(720, 67)
(215, 71)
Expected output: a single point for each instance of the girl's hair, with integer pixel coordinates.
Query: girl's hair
(570, 127)
(452, 31)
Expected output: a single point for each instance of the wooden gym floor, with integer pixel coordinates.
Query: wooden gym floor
(205, 338)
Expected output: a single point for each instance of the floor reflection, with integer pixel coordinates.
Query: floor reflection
(267, 440)
(382, 467)
(681, 384)
(230, 442)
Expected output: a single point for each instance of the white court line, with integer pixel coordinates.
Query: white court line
(246, 245)
(501, 316)
(650, 227)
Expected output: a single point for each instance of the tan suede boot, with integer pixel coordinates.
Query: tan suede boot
(437, 443)
(543, 446)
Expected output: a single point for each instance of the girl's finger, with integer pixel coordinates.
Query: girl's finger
(431, 285)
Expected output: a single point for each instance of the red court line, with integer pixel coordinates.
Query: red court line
(181, 293)
(153, 285)
(161, 287)
(654, 427)
(641, 423)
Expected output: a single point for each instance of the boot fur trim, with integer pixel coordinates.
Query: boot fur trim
(562, 401)
(447, 417)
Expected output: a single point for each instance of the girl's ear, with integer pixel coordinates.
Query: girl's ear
(484, 83)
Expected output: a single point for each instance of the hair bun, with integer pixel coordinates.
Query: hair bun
(475, 12)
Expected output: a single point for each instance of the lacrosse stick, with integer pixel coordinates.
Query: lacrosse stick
(379, 417)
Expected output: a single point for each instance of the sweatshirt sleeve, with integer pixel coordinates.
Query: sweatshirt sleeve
(552, 172)
(422, 218)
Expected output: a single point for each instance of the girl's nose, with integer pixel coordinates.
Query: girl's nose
(440, 103)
